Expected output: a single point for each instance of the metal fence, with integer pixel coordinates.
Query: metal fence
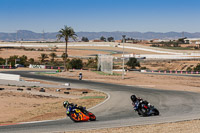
(105, 63)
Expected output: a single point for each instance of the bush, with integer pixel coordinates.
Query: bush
(197, 68)
(2, 61)
(76, 63)
(133, 63)
(189, 69)
(143, 68)
(92, 63)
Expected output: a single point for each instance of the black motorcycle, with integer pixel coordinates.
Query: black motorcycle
(145, 109)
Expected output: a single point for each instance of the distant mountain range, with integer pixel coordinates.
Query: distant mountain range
(26, 35)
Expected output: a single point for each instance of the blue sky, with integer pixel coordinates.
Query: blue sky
(100, 15)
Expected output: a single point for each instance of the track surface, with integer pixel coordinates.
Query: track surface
(117, 111)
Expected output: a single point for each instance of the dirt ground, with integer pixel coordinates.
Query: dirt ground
(170, 65)
(32, 105)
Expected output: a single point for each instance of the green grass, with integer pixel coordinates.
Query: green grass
(92, 97)
(107, 74)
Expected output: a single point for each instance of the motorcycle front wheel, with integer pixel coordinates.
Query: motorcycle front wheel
(156, 112)
(92, 116)
(74, 118)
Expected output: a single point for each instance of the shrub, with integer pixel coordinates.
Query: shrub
(189, 69)
(76, 63)
(197, 68)
(133, 63)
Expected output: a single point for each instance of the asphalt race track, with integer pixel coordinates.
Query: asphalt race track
(117, 111)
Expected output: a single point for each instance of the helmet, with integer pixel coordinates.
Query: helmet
(133, 98)
(65, 103)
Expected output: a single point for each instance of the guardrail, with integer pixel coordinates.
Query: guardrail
(172, 72)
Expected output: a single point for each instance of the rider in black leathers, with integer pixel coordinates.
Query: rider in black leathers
(136, 101)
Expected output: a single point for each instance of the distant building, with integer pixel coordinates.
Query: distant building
(118, 41)
(159, 40)
(97, 41)
(193, 41)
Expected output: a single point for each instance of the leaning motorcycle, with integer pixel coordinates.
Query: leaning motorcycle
(145, 109)
(78, 114)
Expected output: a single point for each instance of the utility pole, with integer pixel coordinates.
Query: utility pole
(16, 35)
(123, 39)
(43, 35)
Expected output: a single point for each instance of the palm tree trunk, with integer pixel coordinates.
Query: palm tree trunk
(66, 41)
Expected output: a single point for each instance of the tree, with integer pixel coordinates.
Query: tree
(23, 60)
(102, 38)
(31, 60)
(197, 68)
(2, 61)
(76, 63)
(133, 63)
(92, 63)
(85, 39)
(53, 56)
(110, 39)
(66, 33)
(63, 56)
(43, 57)
(12, 59)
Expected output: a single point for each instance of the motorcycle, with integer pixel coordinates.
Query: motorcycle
(79, 113)
(145, 109)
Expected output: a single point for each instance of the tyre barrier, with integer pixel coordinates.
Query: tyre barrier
(29, 89)
(66, 92)
(19, 89)
(84, 92)
(42, 90)
(57, 90)
(67, 84)
(2, 89)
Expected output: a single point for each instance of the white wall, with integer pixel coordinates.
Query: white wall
(9, 77)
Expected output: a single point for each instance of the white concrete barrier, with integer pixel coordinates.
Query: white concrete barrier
(143, 71)
(155, 56)
(9, 77)
(37, 66)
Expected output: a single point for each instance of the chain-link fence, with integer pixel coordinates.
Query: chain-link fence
(105, 63)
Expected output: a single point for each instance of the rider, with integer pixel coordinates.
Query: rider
(66, 104)
(80, 76)
(137, 101)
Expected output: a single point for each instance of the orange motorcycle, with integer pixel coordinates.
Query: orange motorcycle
(79, 113)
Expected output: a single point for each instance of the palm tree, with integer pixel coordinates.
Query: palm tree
(43, 57)
(66, 33)
(52, 55)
